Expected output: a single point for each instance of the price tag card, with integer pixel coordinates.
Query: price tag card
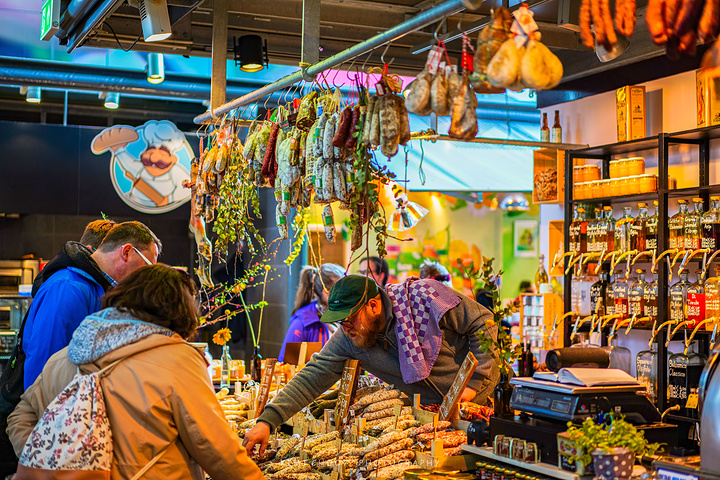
(692, 401)
(334, 475)
(433, 60)
(396, 412)
(462, 378)
(435, 424)
(348, 386)
(265, 385)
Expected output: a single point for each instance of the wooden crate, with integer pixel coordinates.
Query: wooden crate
(546, 159)
(556, 237)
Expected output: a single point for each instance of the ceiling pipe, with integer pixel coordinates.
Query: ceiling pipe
(43, 73)
(449, 7)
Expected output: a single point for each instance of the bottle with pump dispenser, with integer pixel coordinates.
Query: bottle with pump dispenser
(646, 371)
(651, 229)
(696, 301)
(676, 226)
(678, 297)
(692, 231)
(623, 231)
(636, 301)
(710, 225)
(639, 228)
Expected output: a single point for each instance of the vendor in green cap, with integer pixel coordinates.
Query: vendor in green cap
(414, 335)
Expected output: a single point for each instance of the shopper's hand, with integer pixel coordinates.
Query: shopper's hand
(468, 394)
(258, 435)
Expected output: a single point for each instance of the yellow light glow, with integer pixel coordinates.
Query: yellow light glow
(435, 202)
(251, 67)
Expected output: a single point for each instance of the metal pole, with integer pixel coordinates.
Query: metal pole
(218, 77)
(65, 109)
(310, 32)
(421, 20)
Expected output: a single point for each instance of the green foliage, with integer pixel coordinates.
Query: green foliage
(299, 227)
(502, 349)
(238, 207)
(590, 436)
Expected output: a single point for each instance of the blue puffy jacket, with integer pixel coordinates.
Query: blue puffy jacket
(62, 302)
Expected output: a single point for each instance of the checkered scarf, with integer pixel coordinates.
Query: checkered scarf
(418, 306)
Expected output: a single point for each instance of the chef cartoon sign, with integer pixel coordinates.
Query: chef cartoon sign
(148, 164)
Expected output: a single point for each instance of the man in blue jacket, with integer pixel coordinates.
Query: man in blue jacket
(74, 292)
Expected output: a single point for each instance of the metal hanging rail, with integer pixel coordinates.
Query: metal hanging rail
(450, 7)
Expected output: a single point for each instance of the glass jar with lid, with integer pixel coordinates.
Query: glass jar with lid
(614, 189)
(622, 168)
(596, 189)
(613, 170)
(592, 173)
(635, 166)
(578, 174)
(648, 183)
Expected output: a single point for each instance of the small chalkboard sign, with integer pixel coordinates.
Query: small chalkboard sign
(461, 380)
(267, 377)
(348, 385)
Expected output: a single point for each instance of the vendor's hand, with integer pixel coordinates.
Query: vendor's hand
(258, 435)
(468, 395)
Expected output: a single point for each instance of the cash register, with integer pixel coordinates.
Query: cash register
(546, 408)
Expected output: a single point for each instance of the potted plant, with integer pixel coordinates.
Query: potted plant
(501, 348)
(611, 446)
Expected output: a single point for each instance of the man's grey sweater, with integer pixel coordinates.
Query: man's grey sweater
(458, 326)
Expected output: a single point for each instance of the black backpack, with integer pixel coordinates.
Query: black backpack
(12, 380)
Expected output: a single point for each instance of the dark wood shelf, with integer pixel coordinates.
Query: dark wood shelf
(636, 197)
(630, 146)
(696, 134)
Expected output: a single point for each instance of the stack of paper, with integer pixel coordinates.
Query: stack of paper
(588, 377)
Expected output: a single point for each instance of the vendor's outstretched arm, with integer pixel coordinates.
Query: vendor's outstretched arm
(323, 370)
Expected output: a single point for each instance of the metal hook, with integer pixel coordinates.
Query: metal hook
(435, 34)
(382, 57)
(337, 70)
(459, 25)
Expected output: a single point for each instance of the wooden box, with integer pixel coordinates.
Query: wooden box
(708, 100)
(545, 160)
(630, 104)
(556, 239)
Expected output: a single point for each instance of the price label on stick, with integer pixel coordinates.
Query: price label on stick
(346, 393)
(462, 378)
(435, 425)
(265, 384)
(396, 411)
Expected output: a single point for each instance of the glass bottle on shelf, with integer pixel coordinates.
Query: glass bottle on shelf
(620, 357)
(623, 229)
(556, 134)
(593, 230)
(575, 290)
(584, 282)
(712, 295)
(256, 367)
(610, 294)
(678, 297)
(598, 293)
(651, 297)
(582, 232)
(651, 229)
(696, 300)
(621, 293)
(646, 371)
(545, 131)
(609, 230)
(541, 275)
(692, 231)
(640, 228)
(710, 225)
(225, 362)
(574, 232)
(636, 295)
(676, 226)
(684, 378)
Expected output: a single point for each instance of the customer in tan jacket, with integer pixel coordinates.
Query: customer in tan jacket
(159, 391)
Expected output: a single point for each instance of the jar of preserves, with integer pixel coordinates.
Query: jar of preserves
(613, 170)
(592, 173)
(648, 183)
(446, 470)
(583, 191)
(596, 189)
(635, 166)
(578, 174)
(613, 188)
(623, 168)
(633, 185)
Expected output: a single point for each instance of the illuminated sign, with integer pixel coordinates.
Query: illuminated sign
(50, 19)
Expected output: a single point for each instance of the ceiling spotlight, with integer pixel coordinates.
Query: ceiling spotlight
(33, 94)
(155, 20)
(605, 55)
(112, 100)
(250, 53)
(155, 68)
(515, 202)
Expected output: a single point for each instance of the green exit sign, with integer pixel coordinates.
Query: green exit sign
(50, 19)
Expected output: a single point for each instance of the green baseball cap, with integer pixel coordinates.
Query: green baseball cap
(347, 296)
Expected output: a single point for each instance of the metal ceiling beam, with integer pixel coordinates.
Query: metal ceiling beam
(218, 76)
(79, 31)
(447, 8)
(43, 73)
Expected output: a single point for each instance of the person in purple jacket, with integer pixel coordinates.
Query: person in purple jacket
(310, 304)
